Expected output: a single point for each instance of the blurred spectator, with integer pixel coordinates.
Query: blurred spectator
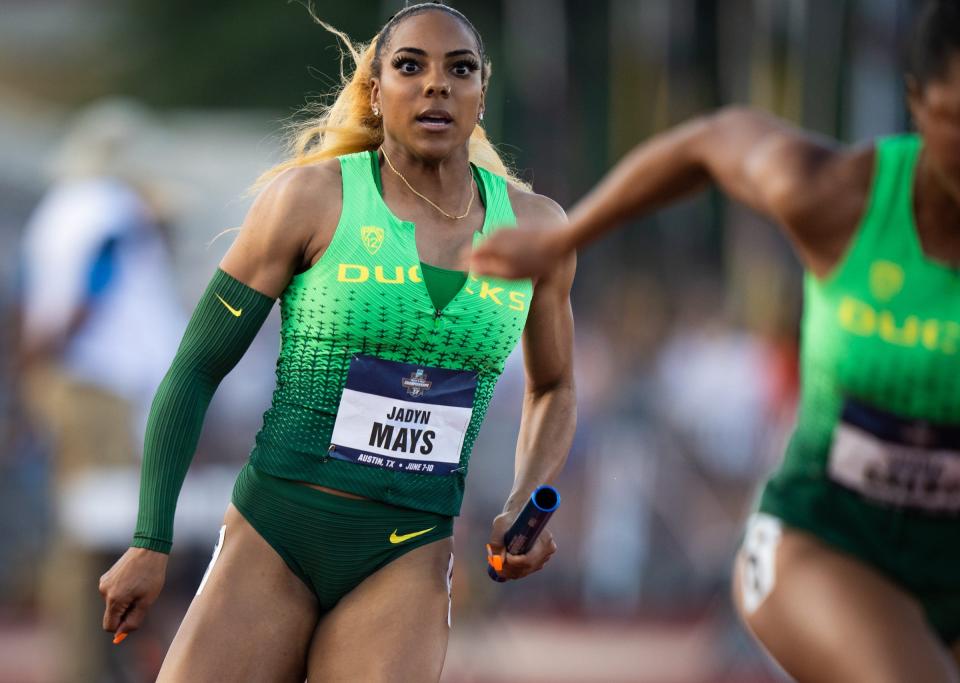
(100, 323)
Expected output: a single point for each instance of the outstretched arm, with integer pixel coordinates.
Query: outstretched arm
(549, 415)
(780, 171)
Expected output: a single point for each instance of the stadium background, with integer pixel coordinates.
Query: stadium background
(686, 324)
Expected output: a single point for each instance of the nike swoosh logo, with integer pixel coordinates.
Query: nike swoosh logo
(235, 311)
(394, 538)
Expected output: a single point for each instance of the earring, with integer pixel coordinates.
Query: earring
(376, 112)
(480, 117)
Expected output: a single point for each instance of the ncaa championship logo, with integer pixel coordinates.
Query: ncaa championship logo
(886, 280)
(372, 238)
(417, 384)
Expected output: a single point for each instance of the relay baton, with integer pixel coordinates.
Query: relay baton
(532, 519)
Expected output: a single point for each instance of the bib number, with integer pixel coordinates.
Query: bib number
(896, 468)
(403, 417)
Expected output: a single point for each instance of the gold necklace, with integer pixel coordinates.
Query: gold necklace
(427, 199)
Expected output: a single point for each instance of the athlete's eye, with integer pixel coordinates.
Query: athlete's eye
(406, 65)
(465, 67)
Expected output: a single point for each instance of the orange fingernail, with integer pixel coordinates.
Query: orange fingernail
(119, 638)
(495, 560)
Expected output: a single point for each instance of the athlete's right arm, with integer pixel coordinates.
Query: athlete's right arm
(286, 230)
(778, 170)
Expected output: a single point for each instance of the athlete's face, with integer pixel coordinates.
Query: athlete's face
(430, 92)
(936, 111)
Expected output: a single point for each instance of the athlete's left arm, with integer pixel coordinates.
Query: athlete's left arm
(549, 403)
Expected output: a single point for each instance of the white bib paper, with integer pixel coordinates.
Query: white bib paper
(906, 476)
(403, 417)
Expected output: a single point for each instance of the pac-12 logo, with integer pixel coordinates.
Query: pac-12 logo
(372, 238)
(886, 280)
(417, 384)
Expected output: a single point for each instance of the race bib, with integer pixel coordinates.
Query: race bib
(403, 417)
(906, 463)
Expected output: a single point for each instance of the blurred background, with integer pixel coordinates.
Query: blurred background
(129, 134)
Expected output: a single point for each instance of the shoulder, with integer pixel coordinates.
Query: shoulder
(297, 202)
(823, 207)
(531, 208)
(303, 189)
(838, 183)
(296, 211)
(539, 213)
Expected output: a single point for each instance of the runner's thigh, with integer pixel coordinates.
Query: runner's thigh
(392, 627)
(825, 616)
(252, 620)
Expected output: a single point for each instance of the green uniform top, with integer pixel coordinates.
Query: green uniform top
(882, 329)
(442, 284)
(367, 297)
(879, 362)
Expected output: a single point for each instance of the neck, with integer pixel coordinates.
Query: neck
(442, 180)
(936, 190)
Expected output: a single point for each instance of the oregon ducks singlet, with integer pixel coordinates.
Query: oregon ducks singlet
(379, 393)
(883, 330)
(873, 466)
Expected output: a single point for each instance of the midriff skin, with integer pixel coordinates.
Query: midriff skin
(335, 492)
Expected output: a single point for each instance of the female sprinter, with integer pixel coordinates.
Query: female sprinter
(335, 559)
(849, 572)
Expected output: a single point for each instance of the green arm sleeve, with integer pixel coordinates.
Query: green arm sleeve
(223, 325)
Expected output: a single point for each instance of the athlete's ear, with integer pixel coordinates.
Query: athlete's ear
(375, 97)
(483, 102)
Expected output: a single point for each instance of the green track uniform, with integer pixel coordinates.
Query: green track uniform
(331, 542)
(382, 384)
(873, 467)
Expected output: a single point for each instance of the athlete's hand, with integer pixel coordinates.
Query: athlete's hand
(516, 254)
(130, 587)
(519, 566)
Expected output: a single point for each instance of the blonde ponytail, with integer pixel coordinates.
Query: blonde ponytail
(348, 125)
